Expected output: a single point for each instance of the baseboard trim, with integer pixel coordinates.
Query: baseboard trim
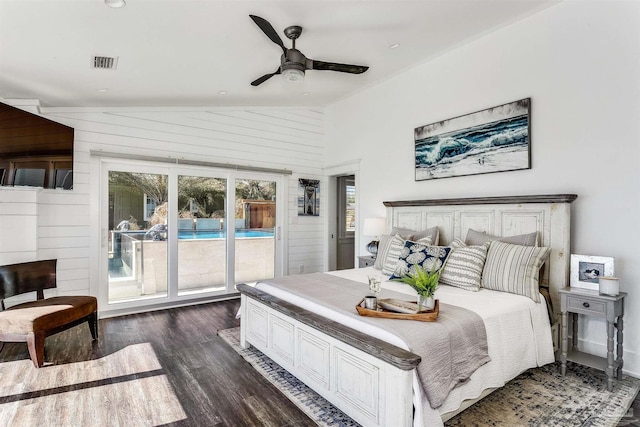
(165, 306)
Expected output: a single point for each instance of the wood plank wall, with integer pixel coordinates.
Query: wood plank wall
(25, 134)
(283, 139)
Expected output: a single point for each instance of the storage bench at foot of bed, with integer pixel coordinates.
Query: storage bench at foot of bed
(368, 379)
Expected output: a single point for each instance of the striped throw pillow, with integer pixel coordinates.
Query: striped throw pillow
(464, 266)
(392, 254)
(514, 268)
(383, 249)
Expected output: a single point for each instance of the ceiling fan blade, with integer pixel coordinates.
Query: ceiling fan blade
(343, 68)
(264, 78)
(267, 28)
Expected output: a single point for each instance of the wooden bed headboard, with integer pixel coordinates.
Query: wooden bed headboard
(548, 215)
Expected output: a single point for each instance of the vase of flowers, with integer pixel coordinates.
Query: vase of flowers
(375, 284)
(425, 283)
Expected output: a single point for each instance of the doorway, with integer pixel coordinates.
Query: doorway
(346, 221)
(174, 233)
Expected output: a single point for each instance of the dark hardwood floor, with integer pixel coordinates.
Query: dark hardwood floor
(161, 368)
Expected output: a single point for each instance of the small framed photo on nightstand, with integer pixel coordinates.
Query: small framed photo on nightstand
(586, 270)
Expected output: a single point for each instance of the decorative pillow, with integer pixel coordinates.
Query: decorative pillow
(392, 254)
(403, 232)
(385, 243)
(464, 266)
(427, 257)
(479, 238)
(432, 233)
(387, 260)
(383, 249)
(514, 268)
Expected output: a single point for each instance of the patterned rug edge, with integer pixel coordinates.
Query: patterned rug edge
(320, 410)
(325, 414)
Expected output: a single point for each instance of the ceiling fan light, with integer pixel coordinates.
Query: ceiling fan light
(292, 75)
(115, 3)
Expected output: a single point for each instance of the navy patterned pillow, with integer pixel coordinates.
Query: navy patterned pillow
(427, 257)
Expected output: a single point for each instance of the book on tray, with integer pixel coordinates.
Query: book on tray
(398, 306)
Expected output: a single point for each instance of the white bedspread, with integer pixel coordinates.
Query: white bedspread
(518, 336)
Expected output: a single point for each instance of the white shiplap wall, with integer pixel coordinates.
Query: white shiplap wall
(258, 137)
(18, 225)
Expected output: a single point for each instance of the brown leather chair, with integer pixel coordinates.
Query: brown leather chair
(33, 321)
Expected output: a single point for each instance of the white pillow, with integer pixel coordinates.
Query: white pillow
(383, 249)
(514, 268)
(392, 254)
(464, 266)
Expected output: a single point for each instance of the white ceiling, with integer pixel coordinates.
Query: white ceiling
(185, 52)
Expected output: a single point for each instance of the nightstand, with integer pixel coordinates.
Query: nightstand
(574, 301)
(366, 261)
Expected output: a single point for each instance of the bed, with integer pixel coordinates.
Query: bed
(371, 374)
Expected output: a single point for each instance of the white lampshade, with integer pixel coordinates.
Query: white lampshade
(373, 226)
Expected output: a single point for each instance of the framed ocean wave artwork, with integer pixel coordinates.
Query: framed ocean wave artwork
(493, 140)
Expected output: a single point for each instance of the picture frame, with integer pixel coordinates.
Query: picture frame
(587, 269)
(308, 197)
(496, 139)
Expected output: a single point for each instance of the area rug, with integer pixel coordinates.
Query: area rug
(539, 397)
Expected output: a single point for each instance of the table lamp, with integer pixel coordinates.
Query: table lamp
(373, 227)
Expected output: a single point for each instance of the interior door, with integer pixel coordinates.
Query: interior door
(346, 222)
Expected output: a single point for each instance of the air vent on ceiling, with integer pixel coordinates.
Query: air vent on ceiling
(105, 62)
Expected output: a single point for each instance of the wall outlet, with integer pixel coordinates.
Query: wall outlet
(301, 268)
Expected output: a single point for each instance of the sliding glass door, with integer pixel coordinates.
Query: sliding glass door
(137, 252)
(202, 238)
(176, 233)
(255, 230)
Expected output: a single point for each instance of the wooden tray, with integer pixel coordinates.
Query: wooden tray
(425, 316)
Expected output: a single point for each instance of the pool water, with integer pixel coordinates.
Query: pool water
(222, 234)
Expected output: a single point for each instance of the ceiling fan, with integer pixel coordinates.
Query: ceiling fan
(293, 63)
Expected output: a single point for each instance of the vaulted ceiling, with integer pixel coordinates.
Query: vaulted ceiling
(206, 52)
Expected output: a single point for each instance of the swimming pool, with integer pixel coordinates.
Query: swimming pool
(240, 234)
